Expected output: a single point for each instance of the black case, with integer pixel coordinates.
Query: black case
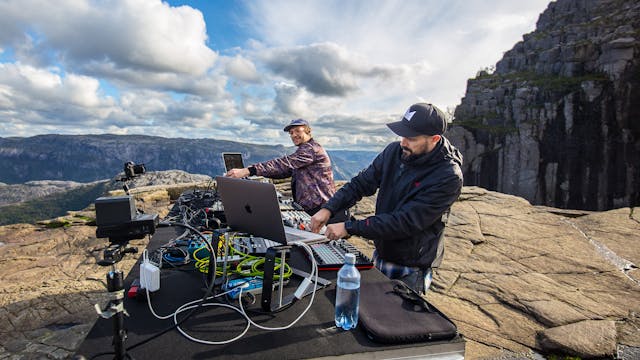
(392, 313)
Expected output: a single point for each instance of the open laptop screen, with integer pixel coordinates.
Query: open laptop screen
(232, 161)
(253, 207)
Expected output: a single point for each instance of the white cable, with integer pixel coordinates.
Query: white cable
(153, 312)
(241, 311)
(314, 270)
(192, 305)
(161, 317)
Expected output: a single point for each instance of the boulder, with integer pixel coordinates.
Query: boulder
(586, 339)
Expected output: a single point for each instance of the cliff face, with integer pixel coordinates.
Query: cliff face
(558, 121)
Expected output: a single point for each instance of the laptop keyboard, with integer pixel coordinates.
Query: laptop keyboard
(294, 237)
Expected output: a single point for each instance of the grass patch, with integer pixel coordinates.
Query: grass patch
(57, 223)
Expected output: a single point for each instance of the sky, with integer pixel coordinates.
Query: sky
(241, 70)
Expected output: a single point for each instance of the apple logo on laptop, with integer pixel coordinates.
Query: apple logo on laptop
(247, 208)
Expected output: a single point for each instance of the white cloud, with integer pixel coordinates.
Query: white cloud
(132, 34)
(143, 66)
(242, 69)
(450, 39)
(27, 87)
(323, 69)
(291, 100)
(208, 85)
(329, 69)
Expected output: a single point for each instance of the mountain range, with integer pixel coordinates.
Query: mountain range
(86, 158)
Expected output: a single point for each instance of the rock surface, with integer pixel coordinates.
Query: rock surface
(516, 279)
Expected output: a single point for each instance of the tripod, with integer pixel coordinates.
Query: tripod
(115, 286)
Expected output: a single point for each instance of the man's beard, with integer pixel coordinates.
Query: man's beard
(406, 153)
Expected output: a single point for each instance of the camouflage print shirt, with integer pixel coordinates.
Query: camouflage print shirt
(310, 170)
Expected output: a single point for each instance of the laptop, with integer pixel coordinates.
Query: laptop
(253, 207)
(232, 160)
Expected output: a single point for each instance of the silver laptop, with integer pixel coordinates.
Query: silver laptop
(253, 207)
(232, 160)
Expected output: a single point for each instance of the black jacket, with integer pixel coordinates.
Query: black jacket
(413, 200)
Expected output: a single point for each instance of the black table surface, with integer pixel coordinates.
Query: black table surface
(313, 336)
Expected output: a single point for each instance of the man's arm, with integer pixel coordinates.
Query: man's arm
(364, 184)
(283, 167)
(413, 217)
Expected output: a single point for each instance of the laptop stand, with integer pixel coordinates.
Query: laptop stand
(267, 281)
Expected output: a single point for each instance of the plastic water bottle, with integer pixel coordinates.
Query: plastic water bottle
(348, 294)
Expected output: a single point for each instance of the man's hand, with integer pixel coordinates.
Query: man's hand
(336, 231)
(319, 220)
(238, 173)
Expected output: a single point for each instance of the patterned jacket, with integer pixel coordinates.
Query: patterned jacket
(310, 170)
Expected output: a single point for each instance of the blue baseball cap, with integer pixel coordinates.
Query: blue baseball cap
(296, 122)
(420, 119)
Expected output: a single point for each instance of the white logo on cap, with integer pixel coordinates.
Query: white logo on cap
(409, 114)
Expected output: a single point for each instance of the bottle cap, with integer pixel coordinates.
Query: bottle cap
(350, 259)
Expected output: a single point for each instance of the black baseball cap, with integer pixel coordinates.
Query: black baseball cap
(420, 119)
(296, 122)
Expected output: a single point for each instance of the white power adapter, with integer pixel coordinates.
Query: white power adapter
(304, 285)
(149, 274)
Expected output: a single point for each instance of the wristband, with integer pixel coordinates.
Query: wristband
(348, 226)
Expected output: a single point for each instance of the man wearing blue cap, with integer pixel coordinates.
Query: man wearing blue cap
(309, 168)
(417, 179)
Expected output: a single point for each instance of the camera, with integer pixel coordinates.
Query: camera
(132, 169)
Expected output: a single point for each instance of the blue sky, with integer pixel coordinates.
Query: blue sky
(241, 70)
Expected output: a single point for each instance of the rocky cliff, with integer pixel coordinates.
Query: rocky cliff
(518, 280)
(558, 120)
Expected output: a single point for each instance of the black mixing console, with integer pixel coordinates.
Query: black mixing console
(330, 255)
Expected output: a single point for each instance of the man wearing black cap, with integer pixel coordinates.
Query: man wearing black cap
(417, 179)
(309, 168)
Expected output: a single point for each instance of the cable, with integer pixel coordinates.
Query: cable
(193, 305)
(314, 270)
(248, 266)
(206, 295)
(190, 305)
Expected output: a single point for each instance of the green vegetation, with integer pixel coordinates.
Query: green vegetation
(85, 218)
(494, 123)
(492, 129)
(57, 223)
(482, 123)
(560, 84)
(52, 206)
(557, 357)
